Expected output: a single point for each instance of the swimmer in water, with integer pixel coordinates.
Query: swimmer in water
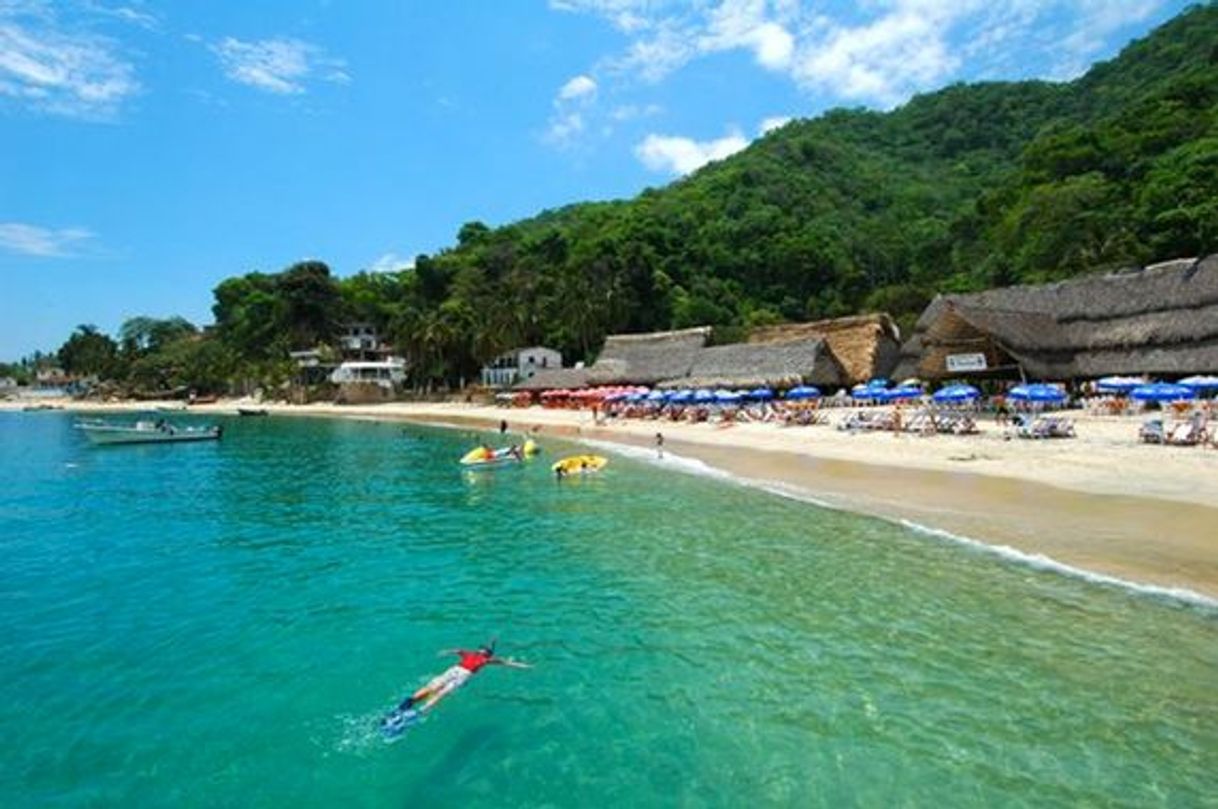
(468, 664)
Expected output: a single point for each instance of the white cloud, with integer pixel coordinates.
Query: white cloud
(279, 65)
(578, 87)
(680, 155)
(886, 60)
(772, 123)
(391, 262)
(627, 16)
(572, 100)
(48, 69)
(752, 25)
(32, 240)
(564, 127)
(629, 112)
(1099, 19)
(879, 52)
(128, 14)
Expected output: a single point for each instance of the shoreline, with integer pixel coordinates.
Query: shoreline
(1140, 514)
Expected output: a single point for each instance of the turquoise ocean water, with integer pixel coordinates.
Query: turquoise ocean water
(222, 624)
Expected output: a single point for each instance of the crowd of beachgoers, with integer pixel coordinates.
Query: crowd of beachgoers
(1174, 413)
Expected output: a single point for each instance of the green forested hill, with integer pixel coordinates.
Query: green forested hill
(969, 187)
(966, 188)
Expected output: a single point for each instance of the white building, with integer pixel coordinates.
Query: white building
(386, 373)
(516, 366)
(361, 339)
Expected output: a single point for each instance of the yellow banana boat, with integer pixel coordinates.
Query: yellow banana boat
(579, 465)
(484, 456)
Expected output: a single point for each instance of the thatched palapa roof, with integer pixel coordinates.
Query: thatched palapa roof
(645, 359)
(554, 378)
(1161, 319)
(864, 346)
(750, 365)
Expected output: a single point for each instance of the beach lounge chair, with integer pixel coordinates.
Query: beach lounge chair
(954, 422)
(853, 421)
(882, 421)
(923, 422)
(1059, 427)
(1028, 427)
(1190, 433)
(1152, 432)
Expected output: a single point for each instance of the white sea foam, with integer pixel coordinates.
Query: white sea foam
(1037, 561)
(1041, 562)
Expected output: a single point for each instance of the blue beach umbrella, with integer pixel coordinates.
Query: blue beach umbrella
(1037, 392)
(803, 392)
(1200, 383)
(898, 394)
(761, 394)
(658, 396)
(1162, 392)
(681, 396)
(1118, 384)
(636, 397)
(727, 397)
(878, 382)
(956, 394)
(702, 396)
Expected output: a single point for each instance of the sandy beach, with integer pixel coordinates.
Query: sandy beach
(1101, 502)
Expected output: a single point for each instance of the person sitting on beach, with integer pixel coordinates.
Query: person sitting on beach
(440, 686)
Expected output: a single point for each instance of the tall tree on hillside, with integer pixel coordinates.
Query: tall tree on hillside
(88, 351)
(148, 335)
(312, 304)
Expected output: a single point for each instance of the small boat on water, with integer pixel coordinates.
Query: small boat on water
(485, 456)
(579, 465)
(146, 432)
(253, 411)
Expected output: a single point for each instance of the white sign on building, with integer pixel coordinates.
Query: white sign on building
(960, 363)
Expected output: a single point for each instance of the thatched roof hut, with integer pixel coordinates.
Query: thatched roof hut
(750, 365)
(1161, 320)
(645, 359)
(864, 346)
(554, 379)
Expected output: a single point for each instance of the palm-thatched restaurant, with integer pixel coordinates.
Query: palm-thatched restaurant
(864, 347)
(648, 359)
(751, 365)
(1160, 320)
(827, 353)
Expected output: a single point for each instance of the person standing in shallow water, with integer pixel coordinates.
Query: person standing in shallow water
(502, 426)
(660, 445)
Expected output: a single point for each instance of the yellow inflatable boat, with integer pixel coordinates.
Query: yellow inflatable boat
(579, 465)
(485, 456)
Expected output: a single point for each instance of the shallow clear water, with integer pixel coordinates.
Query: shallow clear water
(222, 624)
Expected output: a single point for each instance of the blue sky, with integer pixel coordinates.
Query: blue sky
(150, 150)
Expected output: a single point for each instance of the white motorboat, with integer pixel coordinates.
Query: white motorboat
(145, 432)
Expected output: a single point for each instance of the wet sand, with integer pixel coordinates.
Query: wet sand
(1101, 502)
